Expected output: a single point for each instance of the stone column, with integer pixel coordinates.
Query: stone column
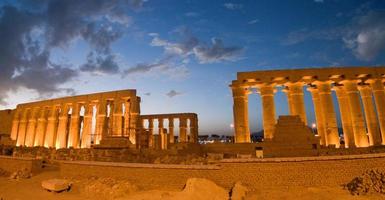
(74, 132)
(101, 126)
(41, 127)
(110, 123)
(15, 124)
(295, 92)
(329, 115)
(346, 120)
(134, 117)
(359, 130)
(87, 126)
(118, 117)
(241, 116)
(126, 130)
(171, 129)
(183, 129)
(61, 139)
(370, 115)
(194, 129)
(22, 127)
(51, 130)
(162, 136)
(151, 133)
(31, 128)
(289, 101)
(318, 115)
(268, 110)
(379, 98)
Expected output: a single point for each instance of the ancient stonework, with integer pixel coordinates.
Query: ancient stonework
(351, 85)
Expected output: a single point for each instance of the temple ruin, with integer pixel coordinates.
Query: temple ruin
(363, 120)
(107, 119)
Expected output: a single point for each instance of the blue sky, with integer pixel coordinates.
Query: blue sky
(179, 55)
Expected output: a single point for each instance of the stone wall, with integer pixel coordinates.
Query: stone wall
(255, 175)
(12, 164)
(6, 121)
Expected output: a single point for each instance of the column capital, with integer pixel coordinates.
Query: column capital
(240, 91)
(267, 89)
(294, 87)
(365, 90)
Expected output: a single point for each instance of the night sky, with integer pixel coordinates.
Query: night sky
(179, 55)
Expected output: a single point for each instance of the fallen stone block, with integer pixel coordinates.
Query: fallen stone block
(56, 185)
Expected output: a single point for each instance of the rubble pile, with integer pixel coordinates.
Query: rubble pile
(372, 181)
(21, 174)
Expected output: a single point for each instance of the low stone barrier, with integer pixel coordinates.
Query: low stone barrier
(326, 171)
(12, 164)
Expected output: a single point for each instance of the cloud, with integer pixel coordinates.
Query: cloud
(147, 93)
(167, 66)
(233, 6)
(30, 31)
(100, 64)
(173, 93)
(192, 46)
(367, 39)
(319, 1)
(254, 21)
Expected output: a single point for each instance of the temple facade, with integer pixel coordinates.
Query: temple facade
(107, 119)
(359, 90)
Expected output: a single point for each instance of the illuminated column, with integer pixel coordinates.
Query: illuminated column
(171, 129)
(268, 109)
(22, 128)
(194, 129)
(359, 130)
(50, 134)
(318, 115)
(61, 139)
(329, 115)
(41, 127)
(15, 125)
(110, 129)
(289, 101)
(101, 126)
(379, 98)
(370, 115)
(297, 101)
(87, 126)
(241, 117)
(151, 132)
(162, 135)
(31, 128)
(183, 129)
(118, 115)
(126, 130)
(134, 117)
(74, 132)
(343, 102)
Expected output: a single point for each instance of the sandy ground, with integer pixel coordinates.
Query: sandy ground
(31, 189)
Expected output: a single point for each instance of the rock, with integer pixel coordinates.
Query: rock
(238, 192)
(56, 185)
(371, 181)
(202, 189)
(21, 174)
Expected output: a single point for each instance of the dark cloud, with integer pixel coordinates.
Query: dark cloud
(30, 31)
(173, 93)
(147, 93)
(190, 45)
(99, 64)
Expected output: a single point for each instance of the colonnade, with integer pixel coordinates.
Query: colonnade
(363, 121)
(188, 128)
(78, 121)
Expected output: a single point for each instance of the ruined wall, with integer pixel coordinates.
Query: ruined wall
(6, 121)
(255, 175)
(12, 164)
